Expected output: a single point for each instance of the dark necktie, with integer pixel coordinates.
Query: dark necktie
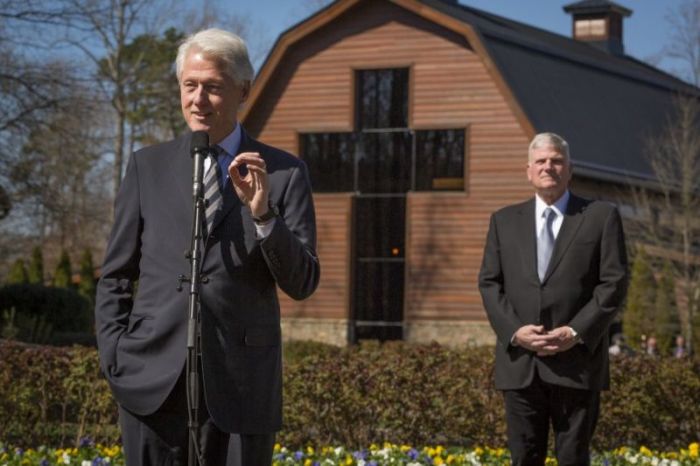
(545, 242)
(212, 189)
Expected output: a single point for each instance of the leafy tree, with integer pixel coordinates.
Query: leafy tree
(36, 267)
(18, 273)
(667, 319)
(684, 45)
(68, 202)
(112, 24)
(62, 276)
(87, 285)
(638, 315)
(668, 211)
(152, 95)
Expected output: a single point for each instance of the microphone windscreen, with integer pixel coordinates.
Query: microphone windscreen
(200, 141)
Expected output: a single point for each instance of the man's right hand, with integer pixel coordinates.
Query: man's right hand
(533, 338)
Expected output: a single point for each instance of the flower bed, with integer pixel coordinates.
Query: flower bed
(376, 455)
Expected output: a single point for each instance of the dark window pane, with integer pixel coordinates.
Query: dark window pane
(380, 224)
(329, 157)
(384, 162)
(382, 98)
(379, 300)
(440, 160)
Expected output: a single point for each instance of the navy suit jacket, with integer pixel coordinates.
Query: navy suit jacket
(584, 286)
(141, 316)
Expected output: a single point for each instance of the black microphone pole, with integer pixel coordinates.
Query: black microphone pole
(199, 149)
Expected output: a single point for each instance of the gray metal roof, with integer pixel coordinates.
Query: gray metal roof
(605, 105)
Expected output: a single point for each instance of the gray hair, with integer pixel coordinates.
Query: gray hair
(549, 139)
(220, 45)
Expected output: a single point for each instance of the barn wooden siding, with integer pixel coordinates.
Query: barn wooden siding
(312, 89)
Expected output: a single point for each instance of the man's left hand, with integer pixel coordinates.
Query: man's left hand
(252, 189)
(558, 340)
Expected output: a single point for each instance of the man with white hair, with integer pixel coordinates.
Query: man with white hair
(259, 234)
(553, 276)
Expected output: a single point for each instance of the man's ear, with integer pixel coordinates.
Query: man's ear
(245, 91)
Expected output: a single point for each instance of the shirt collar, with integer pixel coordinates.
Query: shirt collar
(232, 142)
(559, 205)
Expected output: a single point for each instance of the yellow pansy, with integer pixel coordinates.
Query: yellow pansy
(309, 450)
(694, 449)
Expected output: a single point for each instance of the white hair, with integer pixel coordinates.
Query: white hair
(549, 139)
(223, 46)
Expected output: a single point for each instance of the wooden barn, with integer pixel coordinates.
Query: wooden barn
(414, 118)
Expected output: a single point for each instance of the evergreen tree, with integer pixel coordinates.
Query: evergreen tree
(18, 273)
(668, 323)
(62, 276)
(36, 267)
(638, 315)
(87, 276)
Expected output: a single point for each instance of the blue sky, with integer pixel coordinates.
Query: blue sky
(645, 32)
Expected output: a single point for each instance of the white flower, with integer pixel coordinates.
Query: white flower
(66, 458)
(86, 463)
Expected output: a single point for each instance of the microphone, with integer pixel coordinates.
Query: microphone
(199, 143)
(199, 150)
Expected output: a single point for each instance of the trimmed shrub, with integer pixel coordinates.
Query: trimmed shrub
(356, 396)
(53, 396)
(393, 392)
(47, 315)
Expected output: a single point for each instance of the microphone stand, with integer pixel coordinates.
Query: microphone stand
(194, 342)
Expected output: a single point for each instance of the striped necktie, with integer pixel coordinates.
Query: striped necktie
(545, 242)
(212, 189)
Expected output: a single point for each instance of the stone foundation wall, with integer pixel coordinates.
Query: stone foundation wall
(331, 331)
(449, 333)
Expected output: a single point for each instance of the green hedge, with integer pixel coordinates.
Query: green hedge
(44, 314)
(396, 392)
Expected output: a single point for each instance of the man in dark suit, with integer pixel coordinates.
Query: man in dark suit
(553, 275)
(260, 235)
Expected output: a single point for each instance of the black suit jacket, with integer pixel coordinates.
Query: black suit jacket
(141, 317)
(583, 288)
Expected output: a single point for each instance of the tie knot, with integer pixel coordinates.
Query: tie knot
(548, 213)
(215, 152)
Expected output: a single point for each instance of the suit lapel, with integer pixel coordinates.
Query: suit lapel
(570, 226)
(230, 197)
(182, 171)
(526, 227)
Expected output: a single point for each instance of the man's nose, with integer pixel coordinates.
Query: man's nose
(199, 94)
